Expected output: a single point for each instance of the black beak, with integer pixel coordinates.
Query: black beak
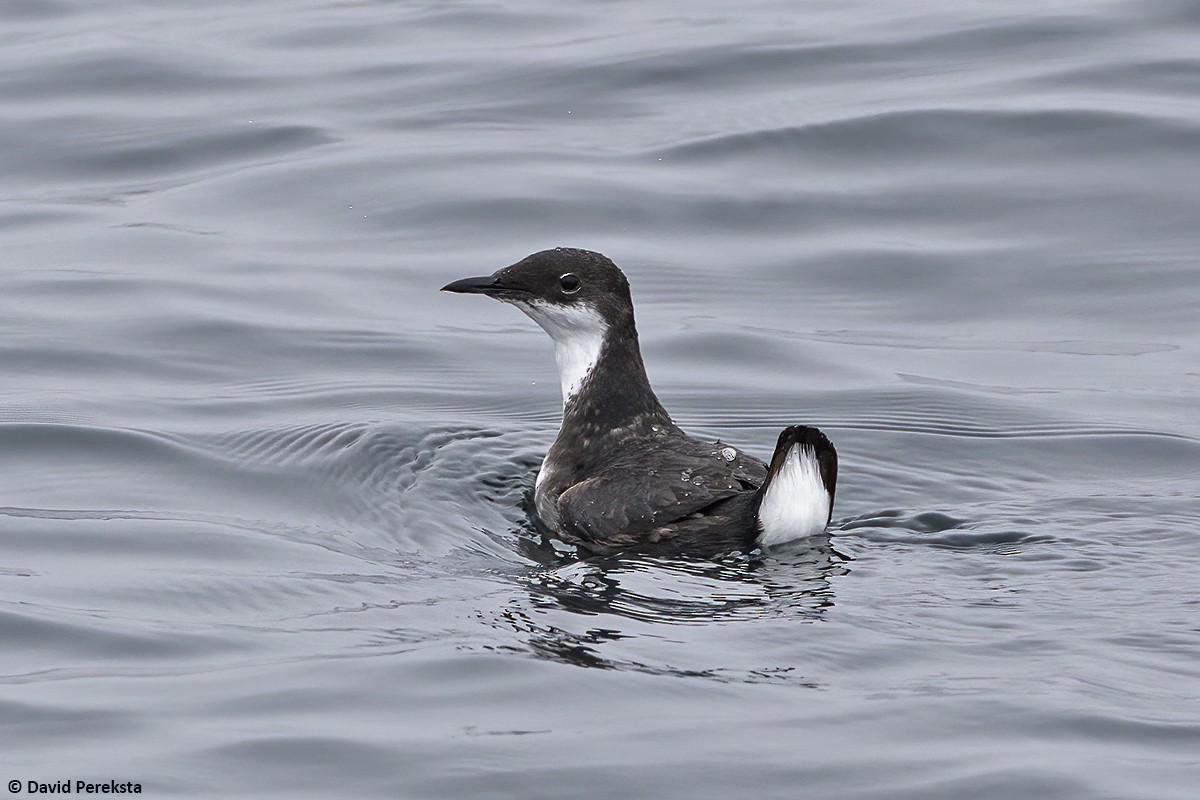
(486, 285)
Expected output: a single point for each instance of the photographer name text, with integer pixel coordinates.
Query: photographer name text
(74, 787)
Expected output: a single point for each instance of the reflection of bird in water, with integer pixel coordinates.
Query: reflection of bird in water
(592, 613)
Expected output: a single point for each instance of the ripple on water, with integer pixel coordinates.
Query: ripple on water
(947, 134)
(935, 529)
(373, 480)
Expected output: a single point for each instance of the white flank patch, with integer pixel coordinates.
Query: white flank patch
(578, 334)
(543, 473)
(795, 504)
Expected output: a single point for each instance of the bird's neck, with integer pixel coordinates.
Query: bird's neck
(606, 388)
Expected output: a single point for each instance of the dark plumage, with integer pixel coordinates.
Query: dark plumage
(621, 474)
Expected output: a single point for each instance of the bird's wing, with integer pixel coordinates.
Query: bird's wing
(639, 492)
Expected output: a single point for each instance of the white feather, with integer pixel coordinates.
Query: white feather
(795, 504)
(578, 333)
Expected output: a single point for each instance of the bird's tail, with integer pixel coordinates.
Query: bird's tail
(796, 500)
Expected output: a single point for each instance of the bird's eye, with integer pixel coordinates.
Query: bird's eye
(569, 283)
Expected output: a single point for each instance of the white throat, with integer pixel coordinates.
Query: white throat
(578, 334)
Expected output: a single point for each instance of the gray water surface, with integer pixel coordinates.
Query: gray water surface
(264, 490)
